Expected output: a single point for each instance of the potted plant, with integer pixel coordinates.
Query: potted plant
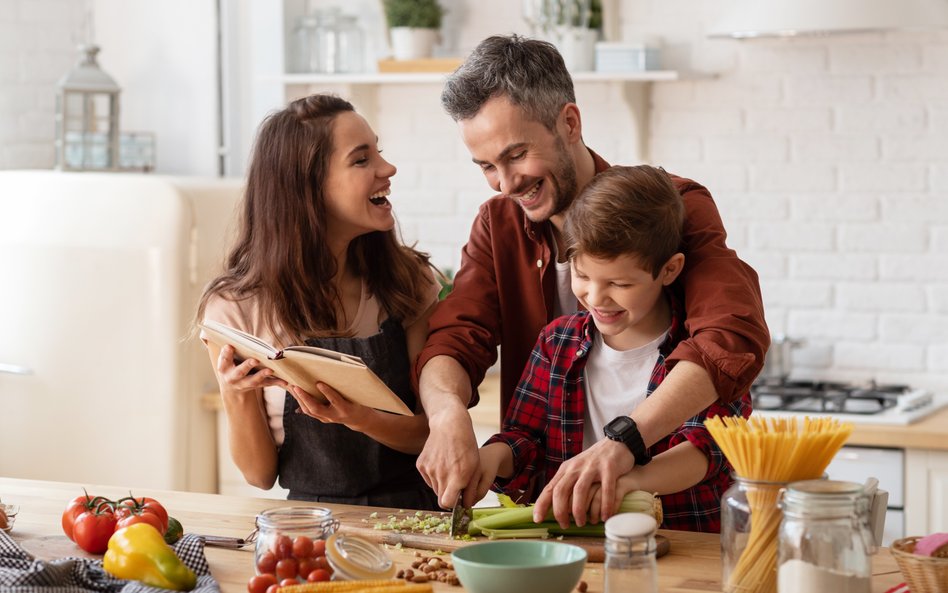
(414, 26)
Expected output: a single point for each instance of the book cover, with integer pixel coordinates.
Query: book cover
(305, 366)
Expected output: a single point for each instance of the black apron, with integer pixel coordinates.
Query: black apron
(332, 463)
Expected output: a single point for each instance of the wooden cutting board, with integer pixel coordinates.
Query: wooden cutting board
(358, 522)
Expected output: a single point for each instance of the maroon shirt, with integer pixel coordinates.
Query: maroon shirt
(504, 295)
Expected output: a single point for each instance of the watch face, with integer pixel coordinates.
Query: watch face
(618, 426)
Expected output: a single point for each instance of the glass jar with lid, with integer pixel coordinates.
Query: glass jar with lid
(825, 543)
(338, 42)
(630, 554)
(289, 533)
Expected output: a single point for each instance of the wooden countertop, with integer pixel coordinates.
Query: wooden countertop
(692, 566)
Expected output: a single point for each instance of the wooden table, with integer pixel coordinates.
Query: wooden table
(692, 566)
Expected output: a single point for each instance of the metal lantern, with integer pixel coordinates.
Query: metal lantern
(87, 117)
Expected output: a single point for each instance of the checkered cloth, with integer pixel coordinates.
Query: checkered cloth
(21, 573)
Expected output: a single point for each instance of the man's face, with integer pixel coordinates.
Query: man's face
(521, 158)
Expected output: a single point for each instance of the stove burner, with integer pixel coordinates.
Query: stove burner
(823, 397)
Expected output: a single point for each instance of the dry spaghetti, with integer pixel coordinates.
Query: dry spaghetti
(771, 450)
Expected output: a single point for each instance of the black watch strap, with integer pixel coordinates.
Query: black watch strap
(624, 430)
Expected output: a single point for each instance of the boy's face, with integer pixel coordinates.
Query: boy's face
(625, 301)
(521, 158)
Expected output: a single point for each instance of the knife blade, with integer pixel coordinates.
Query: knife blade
(460, 518)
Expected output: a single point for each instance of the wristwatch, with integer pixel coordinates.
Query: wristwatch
(624, 430)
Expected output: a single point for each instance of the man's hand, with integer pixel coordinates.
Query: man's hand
(570, 489)
(449, 463)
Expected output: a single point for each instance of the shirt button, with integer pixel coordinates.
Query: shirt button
(539, 263)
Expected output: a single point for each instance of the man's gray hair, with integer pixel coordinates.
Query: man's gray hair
(529, 72)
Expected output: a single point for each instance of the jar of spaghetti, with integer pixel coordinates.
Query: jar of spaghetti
(750, 519)
(825, 542)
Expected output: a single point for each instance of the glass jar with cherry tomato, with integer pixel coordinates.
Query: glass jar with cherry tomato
(291, 543)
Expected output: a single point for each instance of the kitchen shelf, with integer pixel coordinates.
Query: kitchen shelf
(438, 77)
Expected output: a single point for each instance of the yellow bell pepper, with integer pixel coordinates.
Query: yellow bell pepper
(139, 552)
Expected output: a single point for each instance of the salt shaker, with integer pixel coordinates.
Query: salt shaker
(825, 542)
(630, 554)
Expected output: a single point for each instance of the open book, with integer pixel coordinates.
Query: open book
(305, 366)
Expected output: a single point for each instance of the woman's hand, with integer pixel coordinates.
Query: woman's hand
(336, 409)
(245, 376)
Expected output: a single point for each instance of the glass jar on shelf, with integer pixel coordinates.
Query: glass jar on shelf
(288, 532)
(825, 543)
(304, 54)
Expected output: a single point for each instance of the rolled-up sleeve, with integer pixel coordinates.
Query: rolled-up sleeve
(724, 312)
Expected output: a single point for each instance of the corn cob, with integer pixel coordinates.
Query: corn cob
(409, 588)
(349, 586)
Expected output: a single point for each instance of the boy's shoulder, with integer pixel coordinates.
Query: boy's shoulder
(568, 328)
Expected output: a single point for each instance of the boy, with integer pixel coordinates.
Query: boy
(623, 233)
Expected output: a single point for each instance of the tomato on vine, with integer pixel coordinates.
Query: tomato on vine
(93, 528)
(76, 507)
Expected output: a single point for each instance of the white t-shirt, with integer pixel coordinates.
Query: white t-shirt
(616, 382)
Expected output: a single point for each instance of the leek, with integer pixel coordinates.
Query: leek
(517, 521)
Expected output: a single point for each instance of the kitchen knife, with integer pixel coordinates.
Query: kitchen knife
(460, 518)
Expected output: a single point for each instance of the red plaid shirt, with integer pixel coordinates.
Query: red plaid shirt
(544, 423)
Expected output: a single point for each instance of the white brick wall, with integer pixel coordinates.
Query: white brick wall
(842, 142)
(38, 40)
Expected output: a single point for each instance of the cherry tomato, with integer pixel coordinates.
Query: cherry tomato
(282, 547)
(260, 583)
(302, 547)
(318, 575)
(76, 507)
(323, 562)
(306, 566)
(140, 517)
(289, 582)
(319, 547)
(273, 588)
(267, 563)
(92, 530)
(287, 569)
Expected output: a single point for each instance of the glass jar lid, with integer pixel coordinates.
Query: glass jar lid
(299, 518)
(629, 525)
(356, 558)
(824, 498)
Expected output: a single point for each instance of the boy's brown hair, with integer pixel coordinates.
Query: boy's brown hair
(627, 211)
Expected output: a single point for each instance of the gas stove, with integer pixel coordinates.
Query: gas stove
(870, 403)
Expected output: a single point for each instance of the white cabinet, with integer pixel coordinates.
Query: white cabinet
(926, 479)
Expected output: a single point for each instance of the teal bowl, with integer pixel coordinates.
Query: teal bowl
(519, 566)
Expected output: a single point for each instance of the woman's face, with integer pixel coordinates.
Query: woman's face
(358, 181)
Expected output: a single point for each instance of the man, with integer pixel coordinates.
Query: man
(514, 104)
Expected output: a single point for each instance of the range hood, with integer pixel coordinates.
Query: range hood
(785, 18)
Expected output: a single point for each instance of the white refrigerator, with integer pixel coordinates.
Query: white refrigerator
(100, 379)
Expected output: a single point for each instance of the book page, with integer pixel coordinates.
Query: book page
(241, 341)
(331, 354)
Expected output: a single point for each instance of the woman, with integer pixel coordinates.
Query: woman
(317, 260)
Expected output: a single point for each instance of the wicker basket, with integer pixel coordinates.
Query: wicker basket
(923, 574)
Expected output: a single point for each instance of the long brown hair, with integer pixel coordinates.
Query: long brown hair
(281, 256)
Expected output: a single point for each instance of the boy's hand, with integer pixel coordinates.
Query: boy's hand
(625, 484)
(569, 490)
(492, 458)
